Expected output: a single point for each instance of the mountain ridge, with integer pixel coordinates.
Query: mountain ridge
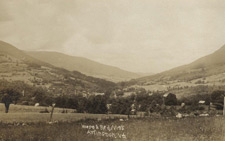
(205, 66)
(84, 65)
(15, 65)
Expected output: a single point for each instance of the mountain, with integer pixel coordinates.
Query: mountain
(86, 66)
(142, 74)
(7, 49)
(209, 65)
(16, 65)
(200, 77)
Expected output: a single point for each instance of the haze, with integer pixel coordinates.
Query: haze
(138, 36)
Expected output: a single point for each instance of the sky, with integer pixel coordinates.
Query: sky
(134, 35)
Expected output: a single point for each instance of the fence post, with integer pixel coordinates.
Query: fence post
(53, 106)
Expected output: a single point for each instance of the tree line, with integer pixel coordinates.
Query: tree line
(102, 104)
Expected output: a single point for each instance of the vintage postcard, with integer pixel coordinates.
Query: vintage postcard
(112, 70)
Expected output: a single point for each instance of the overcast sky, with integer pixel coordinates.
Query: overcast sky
(135, 35)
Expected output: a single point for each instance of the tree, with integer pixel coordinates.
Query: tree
(9, 95)
(6, 99)
(13, 94)
(61, 101)
(82, 104)
(217, 97)
(97, 105)
(144, 100)
(72, 103)
(121, 106)
(39, 95)
(171, 99)
(48, 101)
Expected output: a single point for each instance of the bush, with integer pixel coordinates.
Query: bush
(97, 105)
(121, 106)
(171, 99)
(44, 111)
(218, 97)
(24, 103)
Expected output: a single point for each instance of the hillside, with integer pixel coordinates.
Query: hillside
(84, 65)
(199, 77)
(15, 65)
(206, 66)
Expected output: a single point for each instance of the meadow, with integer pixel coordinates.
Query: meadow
(28, 114)
(188, 129)
(30, 125)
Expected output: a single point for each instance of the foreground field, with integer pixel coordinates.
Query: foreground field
(30, 109)
(188, 129)
(59, 117)
(26, 123)
(27, 114)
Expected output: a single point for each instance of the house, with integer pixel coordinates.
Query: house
(166, 94)
(99, 94)
(133, 109)
(109, 108)
(140, 114)
(201, 102)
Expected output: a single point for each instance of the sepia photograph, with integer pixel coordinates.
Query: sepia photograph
(112, 70)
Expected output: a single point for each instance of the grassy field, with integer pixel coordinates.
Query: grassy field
(189, 129)
(20, 113)
(30, 109)
(22, 125)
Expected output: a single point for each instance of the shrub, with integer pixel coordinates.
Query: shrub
(24, 103)
(218, 97)
(171, 99)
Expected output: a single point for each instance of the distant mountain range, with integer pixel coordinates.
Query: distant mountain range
(16, 65)
(209, 65)
(84, 65)
(57, 72)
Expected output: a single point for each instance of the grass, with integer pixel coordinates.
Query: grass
(44, 117)
(27, 124)
(188, 129)
(20, 113)
(30, 109)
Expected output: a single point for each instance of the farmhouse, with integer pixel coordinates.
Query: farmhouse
(201, 102)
